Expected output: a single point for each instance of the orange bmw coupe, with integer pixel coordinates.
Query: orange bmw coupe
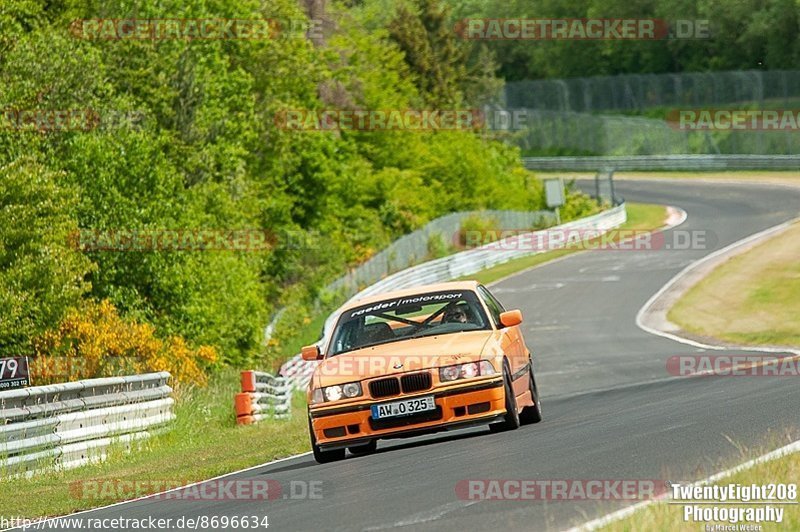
(416, 361)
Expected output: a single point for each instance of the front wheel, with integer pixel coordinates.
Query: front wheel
(511, 419)
(532, 414)
(323, 457)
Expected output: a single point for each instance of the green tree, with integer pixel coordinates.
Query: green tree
(448, 71)
(41, 276)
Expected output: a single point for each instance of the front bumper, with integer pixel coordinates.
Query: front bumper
(457, 406)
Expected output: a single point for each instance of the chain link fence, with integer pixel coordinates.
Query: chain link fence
(584, 116)
(594, 134)
(638, 92)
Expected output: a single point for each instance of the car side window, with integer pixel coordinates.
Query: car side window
(495, 308)
(346, 338)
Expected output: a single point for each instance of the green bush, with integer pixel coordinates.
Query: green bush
(438, 247)
(578, 205)
(485, 228)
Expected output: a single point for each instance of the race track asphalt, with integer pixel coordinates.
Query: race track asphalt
(612, 411)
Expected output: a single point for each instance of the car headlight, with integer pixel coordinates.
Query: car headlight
(336, 392)
(469, 370)
(450, 373)
(333, 393)
(317, 397)
(466, 371)
(351, 389)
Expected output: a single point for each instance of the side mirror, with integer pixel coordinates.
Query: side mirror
(511, 318)
(311, 352)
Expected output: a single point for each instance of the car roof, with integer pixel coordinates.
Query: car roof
(417, 290)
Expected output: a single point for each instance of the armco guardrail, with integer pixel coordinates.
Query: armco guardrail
(71, 424)
(298, 371)
(666, 162)
(455, 266)
(412, 248)
(263, 396)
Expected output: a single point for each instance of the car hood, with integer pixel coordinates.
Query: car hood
(402, 356)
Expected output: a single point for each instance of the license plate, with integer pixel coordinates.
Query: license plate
(403, 408)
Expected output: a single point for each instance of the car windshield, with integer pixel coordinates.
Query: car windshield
(392, 320)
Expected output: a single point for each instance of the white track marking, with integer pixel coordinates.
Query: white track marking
(675, 217)
(424, 517)
(690, 268)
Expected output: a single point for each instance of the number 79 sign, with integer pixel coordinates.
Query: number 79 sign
(14, 373)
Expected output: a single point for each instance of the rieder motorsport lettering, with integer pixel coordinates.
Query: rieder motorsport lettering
(391, 304)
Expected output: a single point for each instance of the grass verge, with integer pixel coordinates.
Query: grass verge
(205, 442)
(752, 299)
(641, 217)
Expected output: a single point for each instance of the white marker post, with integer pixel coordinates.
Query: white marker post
(554, 195)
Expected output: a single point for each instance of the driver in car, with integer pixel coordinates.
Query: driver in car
(456, 314)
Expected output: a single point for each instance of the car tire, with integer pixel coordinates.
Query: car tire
(532, 414)
(511, 419)
(367, 448)
(323, 457)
